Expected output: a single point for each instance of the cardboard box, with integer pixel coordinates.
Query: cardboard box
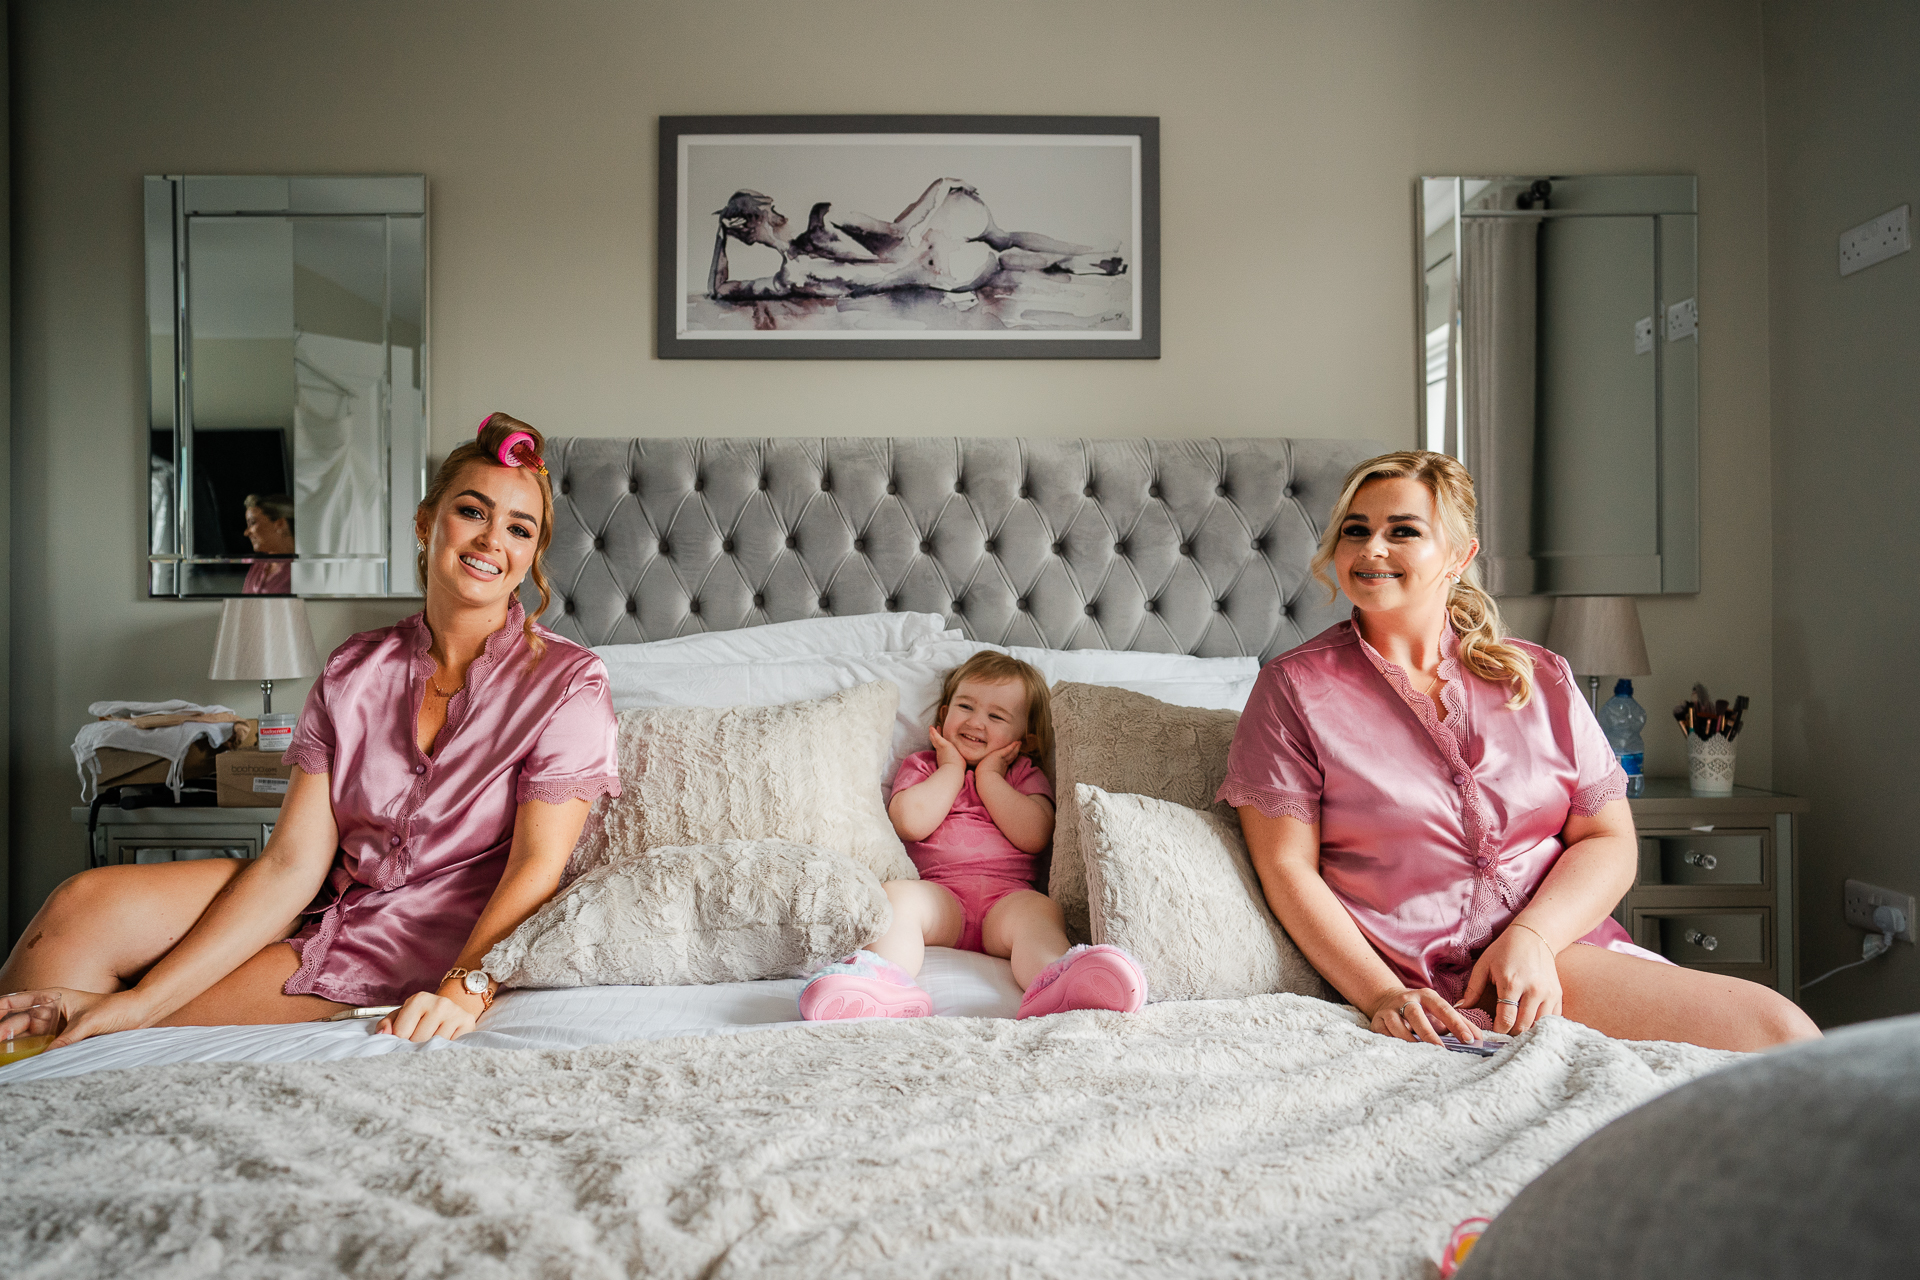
(251, 779)
(135, 768)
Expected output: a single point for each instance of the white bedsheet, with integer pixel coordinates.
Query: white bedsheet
(962, 983)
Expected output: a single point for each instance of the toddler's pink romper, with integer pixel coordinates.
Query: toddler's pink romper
(968, 854)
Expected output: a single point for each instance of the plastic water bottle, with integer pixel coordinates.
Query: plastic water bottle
(1622, 719)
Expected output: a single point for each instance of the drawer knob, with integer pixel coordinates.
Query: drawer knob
(1704, 861)
(1704, 941)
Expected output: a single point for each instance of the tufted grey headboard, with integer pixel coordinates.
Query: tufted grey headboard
(1185, 546)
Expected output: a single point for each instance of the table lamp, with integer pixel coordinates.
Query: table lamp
(1599, 635)
(264, 638)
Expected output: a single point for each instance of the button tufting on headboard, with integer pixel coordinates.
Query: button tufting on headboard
(1191, 546)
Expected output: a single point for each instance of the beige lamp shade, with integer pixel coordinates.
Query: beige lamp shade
(264, 638)
(1599, 635)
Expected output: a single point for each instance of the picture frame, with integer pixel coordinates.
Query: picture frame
(1015, 237)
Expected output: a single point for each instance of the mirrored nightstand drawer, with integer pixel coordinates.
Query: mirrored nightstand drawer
(1728, 937)
(1717, 858)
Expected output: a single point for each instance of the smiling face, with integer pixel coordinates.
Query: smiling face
(269, 537)
(482, 537)
(984, 716)
(1392, 552)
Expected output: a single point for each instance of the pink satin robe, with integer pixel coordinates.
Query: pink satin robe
(424, 839)
(1433, 833)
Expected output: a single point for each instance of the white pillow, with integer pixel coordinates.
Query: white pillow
(1117, 666)
(917, 673)
(860, 633)
(733, 911)
(804, 771)
(1175, 889)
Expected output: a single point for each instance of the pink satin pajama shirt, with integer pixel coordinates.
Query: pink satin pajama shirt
(424, 838)
(1433, 833)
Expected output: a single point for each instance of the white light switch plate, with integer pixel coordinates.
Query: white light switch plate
(1683, 321)
(1870, 242)
(1643, 336)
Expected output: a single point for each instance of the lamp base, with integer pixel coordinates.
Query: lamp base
(266, 697)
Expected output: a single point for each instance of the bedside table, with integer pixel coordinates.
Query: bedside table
(176, 834)
(1715, 890)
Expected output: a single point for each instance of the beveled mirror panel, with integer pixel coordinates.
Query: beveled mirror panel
(287, 436)
(1559, 339)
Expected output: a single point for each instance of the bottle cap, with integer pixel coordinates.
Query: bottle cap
(1623, 687)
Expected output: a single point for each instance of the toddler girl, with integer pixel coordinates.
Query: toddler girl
(976, 812)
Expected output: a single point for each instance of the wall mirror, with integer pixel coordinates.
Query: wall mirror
(287, 422)
(1559, 341)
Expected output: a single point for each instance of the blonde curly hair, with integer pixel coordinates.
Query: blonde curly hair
(1476, 618)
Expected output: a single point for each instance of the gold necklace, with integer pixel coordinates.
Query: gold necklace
(1432, 684)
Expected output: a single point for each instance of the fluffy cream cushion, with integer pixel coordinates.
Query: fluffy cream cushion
(732, 911)
(1174, 887)
(802, 771)
(1122, 741)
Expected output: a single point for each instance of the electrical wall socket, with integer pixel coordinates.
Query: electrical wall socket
(1870, 242)
(1862, 898)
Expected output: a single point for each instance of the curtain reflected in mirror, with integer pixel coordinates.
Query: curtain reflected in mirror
(300, 384)
(1559, 352)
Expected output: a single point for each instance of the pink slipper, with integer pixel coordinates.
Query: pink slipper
(863, 985)
(1099, 977)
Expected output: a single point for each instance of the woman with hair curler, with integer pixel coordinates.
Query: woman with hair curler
(1433, 811)
(442, 770)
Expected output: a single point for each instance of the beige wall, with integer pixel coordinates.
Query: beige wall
(1843, 93)
(1291, 133)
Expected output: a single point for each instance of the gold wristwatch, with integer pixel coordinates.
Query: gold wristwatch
(474, 982)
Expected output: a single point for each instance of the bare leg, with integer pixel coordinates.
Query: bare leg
(924, 914)
(104, 928)
(1634, 999)
(1028, 929)
(252, 995)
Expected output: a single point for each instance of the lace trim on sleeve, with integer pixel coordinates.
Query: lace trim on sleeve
(308, 757)
(1590, 800)
(560, 790)
(1270, 800)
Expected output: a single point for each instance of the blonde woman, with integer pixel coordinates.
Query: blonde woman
(1434, 814)
(442, 770)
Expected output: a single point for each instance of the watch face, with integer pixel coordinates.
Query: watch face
(476, 982)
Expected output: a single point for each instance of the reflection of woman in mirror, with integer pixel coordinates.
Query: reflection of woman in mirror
(945, 240)
(270, 530)
(442, 769)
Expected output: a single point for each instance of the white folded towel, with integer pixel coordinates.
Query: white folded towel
(171, 742)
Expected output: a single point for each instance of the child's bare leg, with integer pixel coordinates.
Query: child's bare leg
(1028, 929)
(924, 915)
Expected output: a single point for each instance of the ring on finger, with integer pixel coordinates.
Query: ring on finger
(1402, 1010)
(1514, 1003)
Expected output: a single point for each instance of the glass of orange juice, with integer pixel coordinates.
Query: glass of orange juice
(28, 1030)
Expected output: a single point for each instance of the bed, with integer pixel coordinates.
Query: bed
(703, 1131)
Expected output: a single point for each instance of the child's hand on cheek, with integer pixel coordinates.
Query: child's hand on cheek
(1000, 761)
(944, 752)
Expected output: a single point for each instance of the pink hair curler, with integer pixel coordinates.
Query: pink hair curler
(517, 450)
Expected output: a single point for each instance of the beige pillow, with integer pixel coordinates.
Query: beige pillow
(1123, 741)
(732, 911)
(1174, 888)
(803, 771)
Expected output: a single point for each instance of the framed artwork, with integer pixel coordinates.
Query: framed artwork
(909, 237)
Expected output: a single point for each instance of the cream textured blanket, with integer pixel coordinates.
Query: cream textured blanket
(1269, 1136)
